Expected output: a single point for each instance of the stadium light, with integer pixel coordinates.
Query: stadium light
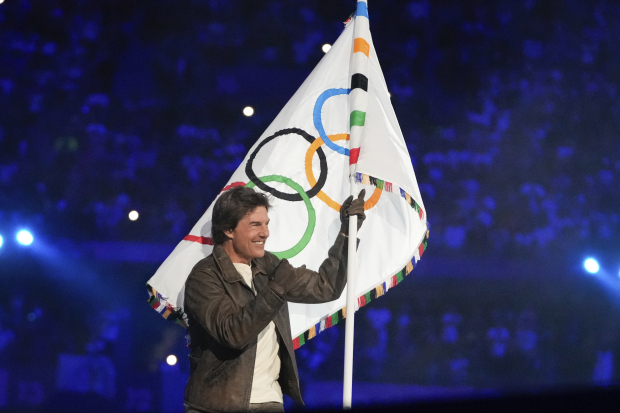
(171, 360)
(591, 265)
(133, 215)
(24, 237)
(326, 47)
(248, 111)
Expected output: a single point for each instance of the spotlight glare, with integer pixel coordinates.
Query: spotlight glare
(133, 215)
(24, 237)
(591, 265)
(171, 360)
(1, 240)
(326, 47)
(1, 1)
(248, 111)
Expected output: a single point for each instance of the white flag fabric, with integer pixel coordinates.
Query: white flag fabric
(304, 160)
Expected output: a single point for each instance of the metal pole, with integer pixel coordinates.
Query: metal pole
(360, 30)
(351, 302)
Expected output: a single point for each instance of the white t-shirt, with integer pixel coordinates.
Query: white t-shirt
(265, 386)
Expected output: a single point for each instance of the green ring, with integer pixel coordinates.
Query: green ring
(305, 239)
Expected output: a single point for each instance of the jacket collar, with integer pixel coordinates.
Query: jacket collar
(229, 272)
(259, 266)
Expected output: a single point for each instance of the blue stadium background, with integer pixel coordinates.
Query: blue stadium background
(511, 113)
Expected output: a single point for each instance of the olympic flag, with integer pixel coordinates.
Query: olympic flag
(305, 160)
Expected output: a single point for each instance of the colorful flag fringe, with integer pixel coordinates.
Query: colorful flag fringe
(161, 305)
(364, 299)
(361, 178)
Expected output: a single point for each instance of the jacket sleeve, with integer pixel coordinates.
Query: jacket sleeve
(325, 285)
(232, 326)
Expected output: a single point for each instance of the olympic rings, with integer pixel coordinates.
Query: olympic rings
(283, 195)
(372, 201)
(305, 239)
(317, 186)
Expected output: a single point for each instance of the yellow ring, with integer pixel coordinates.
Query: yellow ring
(372, 201)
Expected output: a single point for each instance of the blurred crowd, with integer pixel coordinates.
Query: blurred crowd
(478, 337)
(510, 111)
(467, 335)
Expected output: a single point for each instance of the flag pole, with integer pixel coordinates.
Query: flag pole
(350, 317)
(358, 100)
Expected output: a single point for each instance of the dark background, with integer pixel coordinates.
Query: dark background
(510, 110)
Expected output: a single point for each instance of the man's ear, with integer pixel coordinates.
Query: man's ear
(229, 233)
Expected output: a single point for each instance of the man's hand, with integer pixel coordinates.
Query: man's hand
(281, 279)
(352, 207)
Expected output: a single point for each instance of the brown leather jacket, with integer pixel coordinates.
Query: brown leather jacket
(225, 318)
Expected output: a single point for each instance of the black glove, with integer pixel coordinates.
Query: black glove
(352, 207)
(282, 279)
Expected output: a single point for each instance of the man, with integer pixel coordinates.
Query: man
(242, 356)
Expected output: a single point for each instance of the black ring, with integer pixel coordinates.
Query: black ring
(283, 195)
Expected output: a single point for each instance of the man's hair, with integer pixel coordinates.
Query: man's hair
(231, 207)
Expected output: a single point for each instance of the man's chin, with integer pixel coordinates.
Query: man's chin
(258, 253)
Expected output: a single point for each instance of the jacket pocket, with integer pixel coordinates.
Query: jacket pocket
(212, 374)
(208, 366)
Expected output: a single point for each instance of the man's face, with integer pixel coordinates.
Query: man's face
(249, 237)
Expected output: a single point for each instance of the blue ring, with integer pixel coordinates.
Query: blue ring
(318, 123)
